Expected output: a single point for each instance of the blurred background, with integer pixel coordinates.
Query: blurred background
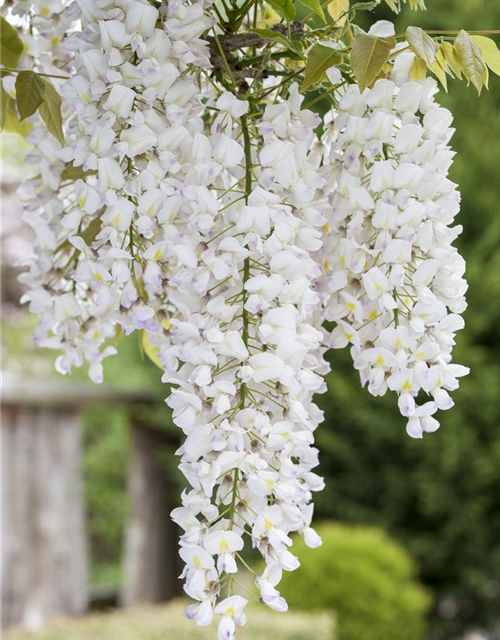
(411, 528)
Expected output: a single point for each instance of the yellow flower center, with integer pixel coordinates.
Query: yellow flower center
(406, 385)
(224, 545)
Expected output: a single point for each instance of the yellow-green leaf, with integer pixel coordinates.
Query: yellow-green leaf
(315, 6)
(451, 57)
(395, 5)
(418, 69)
(3, 106)
(417, 4)
(150, 350)
(30, 92)
(368, 56)
(71, 172)
(438, 69)
(319, 60)
(93, 229)
(50, 110)
(11, 45)
(88, 235)
(471, 59)
(338, 10)
(271, 35)
(422, 44)
(118, 334)
(284, 8)
(12, 124)
(490, 52)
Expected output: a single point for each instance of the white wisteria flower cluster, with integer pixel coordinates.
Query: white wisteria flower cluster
(395, 287)
(250, 359)
(123, 128)
(207, 214)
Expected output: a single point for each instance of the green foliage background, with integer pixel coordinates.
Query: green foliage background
(439, 497)
(365, 578)
(106, 454)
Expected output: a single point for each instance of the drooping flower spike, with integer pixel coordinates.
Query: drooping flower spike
(208, 215)
(394, 284)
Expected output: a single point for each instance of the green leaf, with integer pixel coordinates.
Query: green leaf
(395, 5)
(417, 4)
(319, 60)
(365, 6)
(418, 69)
(283, 8)
(90, 233)
(315, 6)
(471, 59)
(11, 45)
(3, 106)
(368, 56)
(486, 78)
(75, 173)
(438, 68)
(451, 57)
(50, 110)
(12, 124)
(118, 334)
(490, 52)
(151, 351)
(30, 92)
(269, 34)
(422, 44)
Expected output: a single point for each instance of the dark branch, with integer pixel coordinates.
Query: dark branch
(233, 41)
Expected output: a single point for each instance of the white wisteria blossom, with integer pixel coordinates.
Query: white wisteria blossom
(394, 284)
(189, 193)
(249, 357)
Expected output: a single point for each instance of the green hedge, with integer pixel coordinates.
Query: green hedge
(168, 623)
(368, 580)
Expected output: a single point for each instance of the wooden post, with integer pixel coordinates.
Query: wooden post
(44, 550)
(44, 547)
(44, 555)
(151, 559)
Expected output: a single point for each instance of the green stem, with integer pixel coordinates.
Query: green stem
(240, 15)
(233, 499)
(219, 15)
(226, 63)
(277, 86)
(45, 75)
(244, 563)
(246, 265)
(323, 95)
(220, 234)
(486, 32)
(313, 13)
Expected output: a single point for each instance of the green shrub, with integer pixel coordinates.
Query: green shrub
(168, 623)
(368, 580)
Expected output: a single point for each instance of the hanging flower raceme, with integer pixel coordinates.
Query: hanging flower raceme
(395, 287)
(169, 225)
(128, 102)
(45, 200)
(191, 199)
(249, 355)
